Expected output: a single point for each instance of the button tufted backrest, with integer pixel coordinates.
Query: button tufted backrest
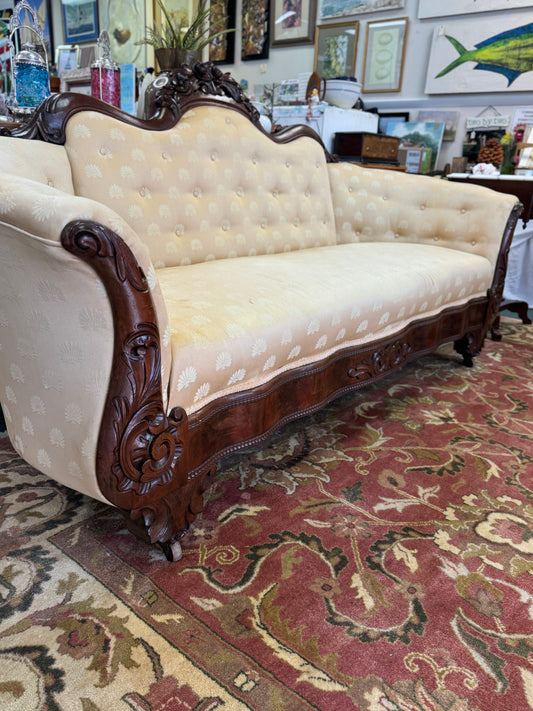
(211, 187)
(383, 205)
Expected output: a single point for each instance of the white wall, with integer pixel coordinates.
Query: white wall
(288, 62)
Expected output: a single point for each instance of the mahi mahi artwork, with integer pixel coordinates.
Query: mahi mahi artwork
(509, 53)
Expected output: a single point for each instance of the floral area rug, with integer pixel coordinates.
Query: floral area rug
(377, 556)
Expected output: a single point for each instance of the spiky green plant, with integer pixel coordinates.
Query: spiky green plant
(174, 35)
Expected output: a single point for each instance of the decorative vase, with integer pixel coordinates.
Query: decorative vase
(170, 58)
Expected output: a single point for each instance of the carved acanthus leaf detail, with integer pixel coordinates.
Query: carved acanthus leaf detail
(381, 361)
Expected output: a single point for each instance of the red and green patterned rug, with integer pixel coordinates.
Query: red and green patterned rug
(377, 557)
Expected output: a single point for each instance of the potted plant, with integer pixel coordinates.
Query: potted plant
(175, 43)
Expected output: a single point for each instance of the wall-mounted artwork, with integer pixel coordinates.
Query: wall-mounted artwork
(125, 22)
(384, 55)
(337, 8)
(221, 19)
(335, 47)
(293, 22)
(255, 32)
(490, 55)
(80, 21)
(440, 8)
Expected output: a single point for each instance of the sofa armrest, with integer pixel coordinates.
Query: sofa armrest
(378, 205)
(57, 329)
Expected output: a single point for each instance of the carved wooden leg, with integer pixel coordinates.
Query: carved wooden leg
(172, 550)
(468, 347)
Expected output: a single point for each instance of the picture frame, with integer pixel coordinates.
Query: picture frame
(78, 80)
(430, 8)
(223, 17)
(293, 22)
(43, 10)
(384, 55)
(125, 22)
(447, 76)
(255, 29)
(338, 8)
(335, 49)
(80, 21)
(67, 58)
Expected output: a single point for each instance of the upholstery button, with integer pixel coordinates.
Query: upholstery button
(275, 193)
(197, 192)
(307, 193)
(263, 224)
(385, 197)
(239, 192)
(422, 206)
(103, 151)
(463, 210)
(142, 192)
(350, 189)
(213, 156)
(50, 182)
(288, 164)
(225, 226)
(473, 243)
(435, 239)
(254, 160)
(296, 222)
(164, 156)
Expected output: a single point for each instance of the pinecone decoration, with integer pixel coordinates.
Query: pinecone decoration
(492, 152)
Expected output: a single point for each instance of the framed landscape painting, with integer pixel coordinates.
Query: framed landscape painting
(338, 8)
(440, 8)
(335, 47)
(80, 21)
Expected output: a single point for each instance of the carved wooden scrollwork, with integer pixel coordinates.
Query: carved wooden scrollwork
(141, 451)
(201, 79)
(381, 361)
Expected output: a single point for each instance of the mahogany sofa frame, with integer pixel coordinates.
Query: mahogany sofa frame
(152, 465)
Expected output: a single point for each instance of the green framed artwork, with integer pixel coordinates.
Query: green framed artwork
(335, 48)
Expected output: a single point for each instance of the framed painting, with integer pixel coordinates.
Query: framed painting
(222, 17)
(43, 11)
(293, 22)
(255, 29)
(384, 55)
(438, 8)
(66, 58)
(338, 8)
(80, 21)
(489, 55)
(125, 21)
(335, 47)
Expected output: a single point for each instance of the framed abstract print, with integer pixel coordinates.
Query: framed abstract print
(222, 17)
(255, 30)
(293, 22)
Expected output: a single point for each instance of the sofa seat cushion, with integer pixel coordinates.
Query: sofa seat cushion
(238, 323)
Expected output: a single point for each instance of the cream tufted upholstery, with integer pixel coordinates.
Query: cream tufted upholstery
(381, 205)
(212, 187)
(305, 259)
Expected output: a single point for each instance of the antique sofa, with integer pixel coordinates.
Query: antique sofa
(175, 289)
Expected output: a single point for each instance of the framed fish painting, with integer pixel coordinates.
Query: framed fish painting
(490, 55)
(439, 8)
